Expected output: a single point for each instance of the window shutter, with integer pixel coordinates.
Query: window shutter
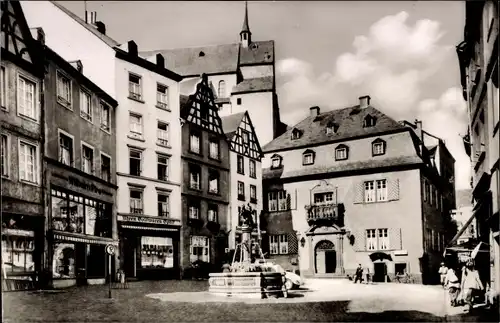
(393, 192)
(359, 240)
(359, 193)
(292, 243)
(395, 239)
(291, 200)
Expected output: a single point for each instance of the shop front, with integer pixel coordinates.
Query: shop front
(149, 247)
(81, 224)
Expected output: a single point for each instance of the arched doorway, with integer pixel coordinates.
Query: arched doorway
(325, 257)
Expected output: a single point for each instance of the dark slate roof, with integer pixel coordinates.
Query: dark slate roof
(257, 52)
(350, 121)
(188, 62)
(343, 167)
(464, 198)
(278, 222)
(105, 38)
(231, 123)
(254, 85)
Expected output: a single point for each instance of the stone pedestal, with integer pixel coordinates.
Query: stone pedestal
(246, 239)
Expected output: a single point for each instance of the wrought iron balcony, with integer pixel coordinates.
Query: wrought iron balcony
(325, 214)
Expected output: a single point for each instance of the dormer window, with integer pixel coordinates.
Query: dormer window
(331, 128)
(369, 121)
(341, 152)
(378, 147)
(276, 161)
(308, 157)
(296, 133)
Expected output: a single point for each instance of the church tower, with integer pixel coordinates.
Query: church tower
(245, 34)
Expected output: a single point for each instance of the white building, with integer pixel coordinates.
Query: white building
(246, 172)
(147, 117)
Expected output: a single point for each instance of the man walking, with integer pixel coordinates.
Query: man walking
(359, 274)
(443, 270)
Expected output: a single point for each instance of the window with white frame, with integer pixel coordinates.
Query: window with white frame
(378, 148)
(5, 156)
(308, 159)
(163, 205)
(65, 149)
(222, 89)
(194, 210)
(282, 201)
(213, 181)
(252, 168)
(105, 168)
(3, 87)
(85, 106)
(134, 86)
(135, 124)
(212, 213)
(199, 249)
(162, 134)
(136, 201)
(105, 116)
(26, 98)
(241, 191)
(381, 190)
(135, 162)
(371, 239)
(323, 198)
(194, 142)
(370, 192)
(63, 89)
(214, 148)
(162, 167)
(278, 244)
(245, 136)
(87, 159)
(276, 162)
(273, 201)
(341, 153)
(194, 177)
(27, 162)
(383, 239)
(162, 96)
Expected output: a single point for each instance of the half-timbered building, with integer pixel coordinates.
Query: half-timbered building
(21, 119)
(246, 172)
(206, 179)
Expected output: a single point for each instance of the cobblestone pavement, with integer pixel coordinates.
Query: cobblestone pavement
(187, 301)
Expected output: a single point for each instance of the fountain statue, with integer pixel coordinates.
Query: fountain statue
(244, 278)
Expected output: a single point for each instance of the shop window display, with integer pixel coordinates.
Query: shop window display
(17, 254)
(157, 252)
(63, 265)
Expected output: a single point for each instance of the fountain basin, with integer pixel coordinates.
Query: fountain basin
(247, 284)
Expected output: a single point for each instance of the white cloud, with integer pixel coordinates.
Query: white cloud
(392, 63)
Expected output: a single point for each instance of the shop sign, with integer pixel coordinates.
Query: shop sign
(17, 233)
(149, 220)
(400, 253)
(91, 187)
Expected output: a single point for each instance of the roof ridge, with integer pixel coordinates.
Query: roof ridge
(187, 47)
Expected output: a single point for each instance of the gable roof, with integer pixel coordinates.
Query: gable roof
(231, 123)
(257, 52)
(188, 62)
(105, 38)
(259, 84)
(350, 121)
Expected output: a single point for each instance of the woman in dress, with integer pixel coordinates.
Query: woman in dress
(453, 285)
(470, 283)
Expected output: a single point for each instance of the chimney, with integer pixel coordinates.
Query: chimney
(101, 27)
(160, 60)
(132, 48)
(77, 65)
(40, 34)
(364, 101)
(314, 111)
(418, 130)
(93, 17)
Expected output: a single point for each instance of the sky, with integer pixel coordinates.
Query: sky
(328, 53)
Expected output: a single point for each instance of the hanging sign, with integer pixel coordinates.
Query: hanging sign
(110, 249)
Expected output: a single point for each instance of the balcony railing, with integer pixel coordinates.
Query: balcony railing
(324, 213)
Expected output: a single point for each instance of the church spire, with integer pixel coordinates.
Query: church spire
(245, 34)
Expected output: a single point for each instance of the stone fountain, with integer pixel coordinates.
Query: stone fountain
(244, 278)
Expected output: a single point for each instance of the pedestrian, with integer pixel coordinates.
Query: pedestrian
(442, 273)
(367, 275)
(359, 274)
(453, 284)
(471, 284)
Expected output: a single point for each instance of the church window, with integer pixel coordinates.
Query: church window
(222, 89)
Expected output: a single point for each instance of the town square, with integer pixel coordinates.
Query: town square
(274, 161)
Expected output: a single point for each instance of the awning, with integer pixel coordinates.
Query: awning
(136, 227)
(380, 256)
(67, 236)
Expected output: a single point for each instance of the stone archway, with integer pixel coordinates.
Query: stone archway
(325, 257)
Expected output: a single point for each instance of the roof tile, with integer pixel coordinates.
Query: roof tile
(257, 52)
(231, 123)
(254, 85)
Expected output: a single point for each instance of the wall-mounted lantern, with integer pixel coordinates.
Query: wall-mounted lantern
(302, 242)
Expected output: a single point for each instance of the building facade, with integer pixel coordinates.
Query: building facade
(243, 75)
(462, 214)
(21, 119)
(80, 174)
(205, 180)
(335, 186)
(246, 173)
(478, 62)
(148, 165)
